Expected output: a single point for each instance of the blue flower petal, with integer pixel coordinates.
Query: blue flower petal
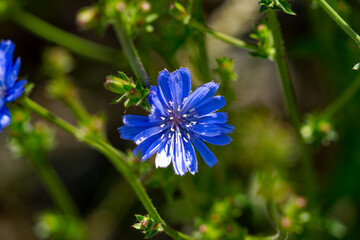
(179, 154)
(155, 115)
(12, 74)
(190, 156)
(6, 52)
(194, 99)
(213, 87)
(5, 117)
(155, 100)
(136, 120)
(16, 91)
(2, 102)
(163, 157)
(209, 106)
(218, 117)
(209, 130)
(143, 148)
(163, 82)
(129, 132)
(217, 140)
(176, 86)
(226, 128)
(204, 151)
(151, 149)
(142, 136)
(186, 81)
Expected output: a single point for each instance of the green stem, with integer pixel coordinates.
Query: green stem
(224, 37)
(290, 97)
(130, 51)
(55, 187)
(339, 103)
(340, 21)
(116, 157)
(72, 42)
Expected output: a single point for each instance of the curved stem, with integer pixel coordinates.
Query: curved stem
(340, 21)
(336, 105)
(116, 157)
(130, 51)
(224, 37)
(72, 42)
(290, 97)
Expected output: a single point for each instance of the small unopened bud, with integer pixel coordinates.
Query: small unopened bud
(260, 27)
(286, 222)
(136, 160)
(178, 11)
(120, 7)
(145, 6)
(300, 202)
(115, 84)
(87, 17)
(203, 228)
(97, 123)
(144, 222)
(132, 91)
(215, 217)
(324, 127)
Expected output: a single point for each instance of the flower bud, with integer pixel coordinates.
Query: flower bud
(179, 12)
(116, 84)
(87, 17)
(145, 6)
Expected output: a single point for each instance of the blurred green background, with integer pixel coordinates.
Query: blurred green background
(229, 200)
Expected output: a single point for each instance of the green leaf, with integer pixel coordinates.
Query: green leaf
(276, 5)
(357, 67)
(137, 226)
(139, 217)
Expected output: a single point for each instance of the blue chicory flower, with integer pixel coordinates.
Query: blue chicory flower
(179, 121)
(10, 89)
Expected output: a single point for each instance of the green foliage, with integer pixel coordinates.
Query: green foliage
(318, 129)
(51, 225)
(356, 67)
(147, 225)
(294, 215)
(132, 93)
(180, 12)
(88, 17)
(225, 69)
(6, 7)
(27, 140)
(57, 61)
(265, 41)
(276, 5)
(220, 221)
(137, 16)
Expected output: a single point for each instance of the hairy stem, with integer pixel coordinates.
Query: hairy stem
(130, 51)
(344, 98)
(223, 37)
(290, 97)
(340, 21)
(116, 157)
(72, 42)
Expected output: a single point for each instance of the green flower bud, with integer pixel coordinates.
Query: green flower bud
(117, 85)
(179, 12)
(87, 17)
